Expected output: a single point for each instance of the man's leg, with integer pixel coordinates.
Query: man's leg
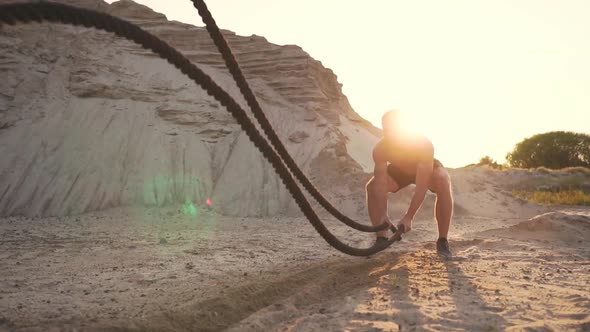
(377, 190)
(443, 209)
(444, 200)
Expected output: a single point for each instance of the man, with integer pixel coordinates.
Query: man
(401, 159)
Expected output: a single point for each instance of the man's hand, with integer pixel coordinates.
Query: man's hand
(424, 171)
(407, 222)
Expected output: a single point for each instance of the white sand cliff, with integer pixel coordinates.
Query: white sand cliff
(91, 121)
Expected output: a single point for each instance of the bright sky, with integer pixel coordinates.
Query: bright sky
(476, 77)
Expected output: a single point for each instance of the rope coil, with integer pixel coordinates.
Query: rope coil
(65, 14)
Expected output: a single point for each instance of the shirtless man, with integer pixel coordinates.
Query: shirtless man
(401, 159)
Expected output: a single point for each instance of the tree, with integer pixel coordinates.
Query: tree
(556, 149)
(488, 161)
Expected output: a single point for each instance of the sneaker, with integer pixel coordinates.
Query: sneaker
(442, 248)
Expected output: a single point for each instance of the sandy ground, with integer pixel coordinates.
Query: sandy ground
(159, 269)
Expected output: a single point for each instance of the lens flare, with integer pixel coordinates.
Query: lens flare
(178, 210)
(189, 208)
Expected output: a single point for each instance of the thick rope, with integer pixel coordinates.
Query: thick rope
(234, 68)
(59, 13)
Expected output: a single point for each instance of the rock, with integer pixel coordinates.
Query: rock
(298, 136)
(310, 116)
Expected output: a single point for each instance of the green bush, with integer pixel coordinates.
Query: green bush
(488, 161)
(554, 150)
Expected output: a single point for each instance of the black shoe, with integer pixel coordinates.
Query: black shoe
(442, 248)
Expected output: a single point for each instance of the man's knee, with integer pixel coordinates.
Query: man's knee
(441, 181)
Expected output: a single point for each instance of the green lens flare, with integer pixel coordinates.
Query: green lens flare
(189, 209)
(179, 212)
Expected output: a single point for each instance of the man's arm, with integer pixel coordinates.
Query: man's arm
(423, 175)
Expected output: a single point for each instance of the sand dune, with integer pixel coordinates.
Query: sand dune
(90, 121)
(551, 226)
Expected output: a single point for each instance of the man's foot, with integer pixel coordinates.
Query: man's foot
(442, 248)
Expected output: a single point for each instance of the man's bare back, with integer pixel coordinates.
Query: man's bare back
(404, 154)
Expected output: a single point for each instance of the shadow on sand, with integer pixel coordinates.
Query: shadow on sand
(460, 308)
(318, 283)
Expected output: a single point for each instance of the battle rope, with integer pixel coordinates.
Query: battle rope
(59, 13)
(234, 68)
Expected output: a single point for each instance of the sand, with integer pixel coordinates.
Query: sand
(159, 269)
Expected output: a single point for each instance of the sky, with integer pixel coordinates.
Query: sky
(474, 76)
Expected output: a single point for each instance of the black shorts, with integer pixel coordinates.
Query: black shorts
(402, 179)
